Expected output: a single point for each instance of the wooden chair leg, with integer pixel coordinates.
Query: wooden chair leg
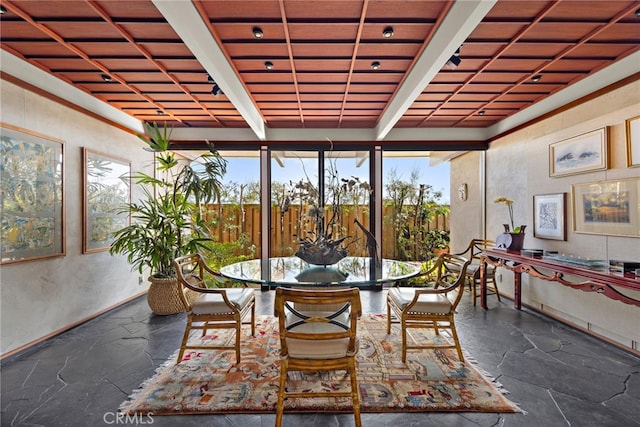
(388, 317)
(238, 336)
(404, 341)
(474, 290)
(253, 320)
(283, 384)
(456, 341)
(355, 393)
(185, 339)
(495, 286)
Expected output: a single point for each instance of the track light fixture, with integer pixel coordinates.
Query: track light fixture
(375, 65)
(257, 32)
(454, 61)
(637, 13)
(216, 90)
(268, 65)
(210, 79)
(105, 78)
(536, 78)
(387, 33)
(3, 10)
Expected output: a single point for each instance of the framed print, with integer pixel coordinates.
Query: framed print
(549, 216)
(633, 141)
(107, 188)
(32, 189)
(580, 154)
(607, 207)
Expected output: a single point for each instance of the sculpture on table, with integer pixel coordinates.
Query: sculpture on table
(321, 233)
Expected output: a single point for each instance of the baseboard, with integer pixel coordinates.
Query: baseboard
(68, 327)
(614, 343)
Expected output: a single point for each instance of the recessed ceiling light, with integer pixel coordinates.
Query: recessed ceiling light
(257, 32)
(268, 65)
(375, 65)
(105, 77)
(536, 78)
(387, 33)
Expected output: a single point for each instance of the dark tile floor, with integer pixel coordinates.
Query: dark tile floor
(559, 376)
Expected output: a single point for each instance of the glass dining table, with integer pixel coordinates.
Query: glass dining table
(361, 272)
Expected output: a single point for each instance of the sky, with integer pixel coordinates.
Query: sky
(246, 170)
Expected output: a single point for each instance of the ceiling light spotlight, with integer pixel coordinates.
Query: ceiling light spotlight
(105, 78)
(637, 13)
(210, 79)
(159, 112)
(3, 10)
(268, 65)
(536, 78)
(257, 32)
(216, 90)
(375, 65)
(481, 113)
(387, 33)
(454, 61)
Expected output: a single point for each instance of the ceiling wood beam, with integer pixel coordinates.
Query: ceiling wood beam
(462, 19)
(186, 21)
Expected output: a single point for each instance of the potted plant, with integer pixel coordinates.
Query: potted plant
(167, 221)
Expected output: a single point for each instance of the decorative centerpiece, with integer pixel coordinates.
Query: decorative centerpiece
(510, 240)
(322, 244)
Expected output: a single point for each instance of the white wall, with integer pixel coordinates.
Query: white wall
(517, 167)
(40, 297)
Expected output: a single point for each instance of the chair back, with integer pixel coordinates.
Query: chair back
(191, 271)
(475, 248)
(450, 276)
(303, 327)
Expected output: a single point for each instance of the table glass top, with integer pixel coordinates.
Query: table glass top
(350, 271)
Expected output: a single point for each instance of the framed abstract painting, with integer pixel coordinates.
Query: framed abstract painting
(107, 189)
(32, 188)
(550, 216)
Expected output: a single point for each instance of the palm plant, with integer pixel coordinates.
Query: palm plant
(167, 220)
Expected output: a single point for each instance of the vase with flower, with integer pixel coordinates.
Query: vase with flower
(513, 237)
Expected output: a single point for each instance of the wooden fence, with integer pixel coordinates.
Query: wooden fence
(229, 223)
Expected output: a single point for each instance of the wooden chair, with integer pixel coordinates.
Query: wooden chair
(430, 308)
(211, 308)
(473, 251)
(312, 338)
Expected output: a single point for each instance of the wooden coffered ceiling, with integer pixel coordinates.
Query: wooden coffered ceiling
(151, 60)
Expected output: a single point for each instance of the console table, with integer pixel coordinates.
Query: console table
(600, 281)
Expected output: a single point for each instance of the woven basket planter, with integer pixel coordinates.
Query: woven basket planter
(164, 296)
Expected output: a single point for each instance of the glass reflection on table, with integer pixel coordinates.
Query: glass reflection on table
(291, 271)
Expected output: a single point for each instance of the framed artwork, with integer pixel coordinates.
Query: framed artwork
(32, 189)
(549, 216)
(580, 154)
(633, 141)
(107, 188)
(607, 207)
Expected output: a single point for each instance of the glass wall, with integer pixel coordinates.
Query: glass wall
(327, 195)
(415, 206)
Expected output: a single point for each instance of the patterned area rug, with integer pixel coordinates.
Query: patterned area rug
(210, 382)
